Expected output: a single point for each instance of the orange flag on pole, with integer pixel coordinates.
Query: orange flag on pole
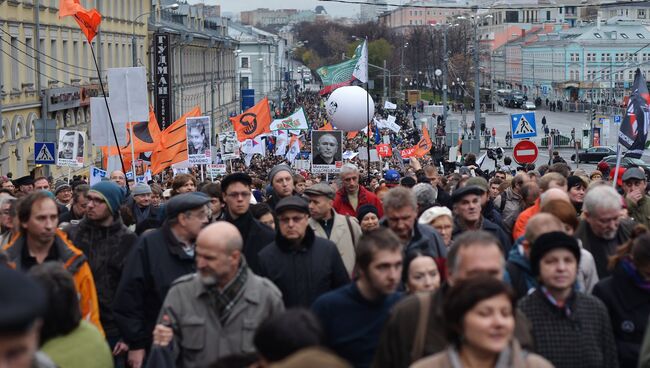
(424, 145)
(351, 135)
(254, 121)
(88, 20)
(172, 147)
(327, 127)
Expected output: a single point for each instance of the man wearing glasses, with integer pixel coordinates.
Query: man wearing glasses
(236, 193)
(302, 265)
(160, 257)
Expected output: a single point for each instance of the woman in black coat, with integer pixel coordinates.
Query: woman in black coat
(626, 293)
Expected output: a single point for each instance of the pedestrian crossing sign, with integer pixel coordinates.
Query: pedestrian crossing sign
(523, 125)
(44, 153)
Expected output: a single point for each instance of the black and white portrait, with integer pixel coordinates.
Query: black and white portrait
(229, 145)
(198, 140)
(70, 148)
(326, 150)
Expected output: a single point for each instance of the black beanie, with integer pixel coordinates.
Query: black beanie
(548, 242)
(366, 209)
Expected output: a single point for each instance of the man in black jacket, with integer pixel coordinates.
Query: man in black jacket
(302, 265)
(236, 192)
(106, 242)
(160, 257)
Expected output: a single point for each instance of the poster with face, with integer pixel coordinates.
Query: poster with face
(198, 140)
(71, 148)
(326, 151)
(229, 145)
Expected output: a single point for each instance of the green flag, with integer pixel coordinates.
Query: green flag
(341, 72)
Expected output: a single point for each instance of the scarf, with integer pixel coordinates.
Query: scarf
(224, 301)
(503, 361)
(562, 306)
(631, 271)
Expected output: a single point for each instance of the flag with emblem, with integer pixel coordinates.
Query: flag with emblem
(634, 129)
(254, 121)
(88, 20)
(341, 74)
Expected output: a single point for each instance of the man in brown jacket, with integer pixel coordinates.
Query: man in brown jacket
(474, 252)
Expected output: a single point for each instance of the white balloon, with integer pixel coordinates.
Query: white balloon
(350, 108)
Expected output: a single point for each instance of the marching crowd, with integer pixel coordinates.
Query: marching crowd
(271, 267)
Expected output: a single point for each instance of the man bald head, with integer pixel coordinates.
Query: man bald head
(118, 178)
(553, 194)
(218, 254)
(539, 225)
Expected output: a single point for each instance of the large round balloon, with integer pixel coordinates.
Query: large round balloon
(350, 108)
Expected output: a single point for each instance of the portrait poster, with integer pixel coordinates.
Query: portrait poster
(70, 150)
(326, 151)
(198, 140)
(229, 145)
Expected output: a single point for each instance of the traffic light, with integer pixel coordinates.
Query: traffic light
(593, 114)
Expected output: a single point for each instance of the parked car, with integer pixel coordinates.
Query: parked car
(529, 105)
(628, 162)
(594, 154)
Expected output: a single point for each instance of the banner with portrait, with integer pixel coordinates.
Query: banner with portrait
(71, 148)
(229, 145)
(198, 140)
(326, 151)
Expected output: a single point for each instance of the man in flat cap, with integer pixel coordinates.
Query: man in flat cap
(467, 215)
(236, 191)
(25, 185)
(302, 265)
(21, 311)
(342, 230)
(638, 202)
(140, 203)
(160, 257)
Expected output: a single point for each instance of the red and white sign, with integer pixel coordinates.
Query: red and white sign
(407, 152)
(525, 152)
(384, 150)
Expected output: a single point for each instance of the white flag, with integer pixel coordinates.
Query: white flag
(295, 121)
(253, 146)
(361, 69)
(389, 105)
(294, 149)
(281, 142)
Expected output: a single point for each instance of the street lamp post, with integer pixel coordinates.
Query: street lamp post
(134, 48)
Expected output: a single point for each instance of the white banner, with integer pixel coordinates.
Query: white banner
(389, 105)
(96, 175)
(295, 121)
(216, 170)
(128, 88)
(101, 133)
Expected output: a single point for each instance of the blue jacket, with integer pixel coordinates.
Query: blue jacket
(518, 272)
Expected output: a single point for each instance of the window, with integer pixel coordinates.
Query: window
(606, 57)
(597, 35)
(640, 35)
(244, 63)
(244, 82)
(630, 75)
(640, 14)
(29, 60)
(591, 56)
(575, 56)
(15, 66)
(623, 35)
(53, 72)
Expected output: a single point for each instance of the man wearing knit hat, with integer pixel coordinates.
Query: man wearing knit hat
(160, 257)
(555, 309)
(281, 180)
(106, 242)
(140, 203)
(63, 192)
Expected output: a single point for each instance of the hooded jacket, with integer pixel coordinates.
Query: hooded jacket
(518, 273)
(303, 273)
(106, 249)
(75, 262)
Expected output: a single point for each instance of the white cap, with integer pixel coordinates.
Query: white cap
(433, 213)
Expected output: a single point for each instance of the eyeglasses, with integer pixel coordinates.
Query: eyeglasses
(295, 219)
(235, 195)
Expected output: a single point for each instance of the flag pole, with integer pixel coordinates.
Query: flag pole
(110, 117)
(368, 142)
(618, 164)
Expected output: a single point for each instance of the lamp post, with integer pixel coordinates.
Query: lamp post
(134, 48)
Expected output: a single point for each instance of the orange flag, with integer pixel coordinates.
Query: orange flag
(424, 145)
(88, 20)
(172, 146)
(146, 135)
(327, 126)
(254, 121)
(351, 135)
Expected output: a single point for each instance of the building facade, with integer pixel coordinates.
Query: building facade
(47, 72)
(370, 11)
(402, 19)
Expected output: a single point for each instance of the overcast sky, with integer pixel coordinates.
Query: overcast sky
(236, 6)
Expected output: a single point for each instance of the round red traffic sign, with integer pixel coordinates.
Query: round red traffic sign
(525, 152)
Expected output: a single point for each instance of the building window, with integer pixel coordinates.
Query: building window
(244, 63)
(244, 82)
(575, 56)
(15, 66)
(605, 57)
(623, 35)
(640, 35)
(597, 35)
(641, 14)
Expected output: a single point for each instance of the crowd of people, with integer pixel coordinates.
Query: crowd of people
(402, 266)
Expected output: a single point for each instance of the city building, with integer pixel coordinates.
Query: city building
(47, 72)
(265, 17)
(370, 11)
(262, 59)
(591, 62)
(402, 19)
(192, 64)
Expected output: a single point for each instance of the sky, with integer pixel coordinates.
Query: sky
(236, 6)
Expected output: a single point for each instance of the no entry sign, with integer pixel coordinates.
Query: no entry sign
(525, 152)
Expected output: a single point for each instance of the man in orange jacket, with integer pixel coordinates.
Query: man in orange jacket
(40, 241)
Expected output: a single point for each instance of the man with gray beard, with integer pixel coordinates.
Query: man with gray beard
(215, 312)
(602, 230)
